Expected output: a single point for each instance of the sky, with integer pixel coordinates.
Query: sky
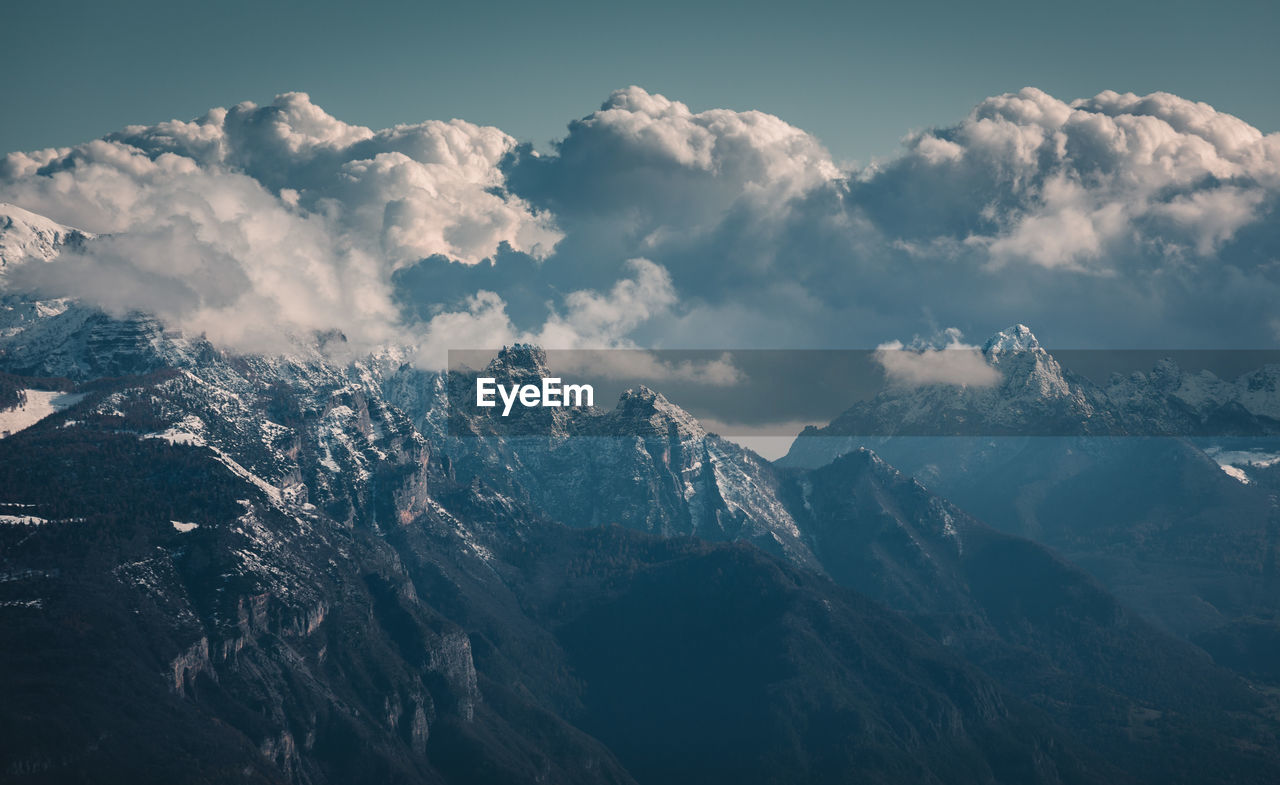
(856, 75)
(656, 175)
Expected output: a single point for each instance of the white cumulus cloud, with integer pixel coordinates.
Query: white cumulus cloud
(255, 222)
(1116, 220)
(953, 362)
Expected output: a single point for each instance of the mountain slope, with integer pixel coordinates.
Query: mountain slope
(303, 649)
(26, 236)
(1038, 624)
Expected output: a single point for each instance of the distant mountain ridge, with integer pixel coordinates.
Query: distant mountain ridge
(1157, 476)
(1036, 395)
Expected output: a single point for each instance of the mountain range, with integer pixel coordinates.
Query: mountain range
(218, 567)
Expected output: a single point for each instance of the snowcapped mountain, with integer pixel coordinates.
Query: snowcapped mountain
(26, 236)
(1169, 400)
(357, 596)
(298, 570)
(645, 464)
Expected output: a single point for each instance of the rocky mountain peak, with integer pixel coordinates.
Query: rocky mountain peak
(520, 362)
(1014, 340)
(1028, 369)
(644, 404)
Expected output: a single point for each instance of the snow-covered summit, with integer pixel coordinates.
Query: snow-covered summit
(1014, 340)
(642, 408)
(1180, 401)
(25, 235)
(519, 360)
(1028, 370)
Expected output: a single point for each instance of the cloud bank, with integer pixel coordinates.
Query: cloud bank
(1120, 220)
(1114, 221)
(253, 222)
(953, 362)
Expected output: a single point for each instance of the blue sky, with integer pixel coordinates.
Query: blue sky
(856, 75)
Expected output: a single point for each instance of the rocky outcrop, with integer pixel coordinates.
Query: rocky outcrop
(451, 658)
(193, 661)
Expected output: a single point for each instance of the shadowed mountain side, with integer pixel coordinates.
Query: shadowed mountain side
(720, 664)
(1037, 623)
